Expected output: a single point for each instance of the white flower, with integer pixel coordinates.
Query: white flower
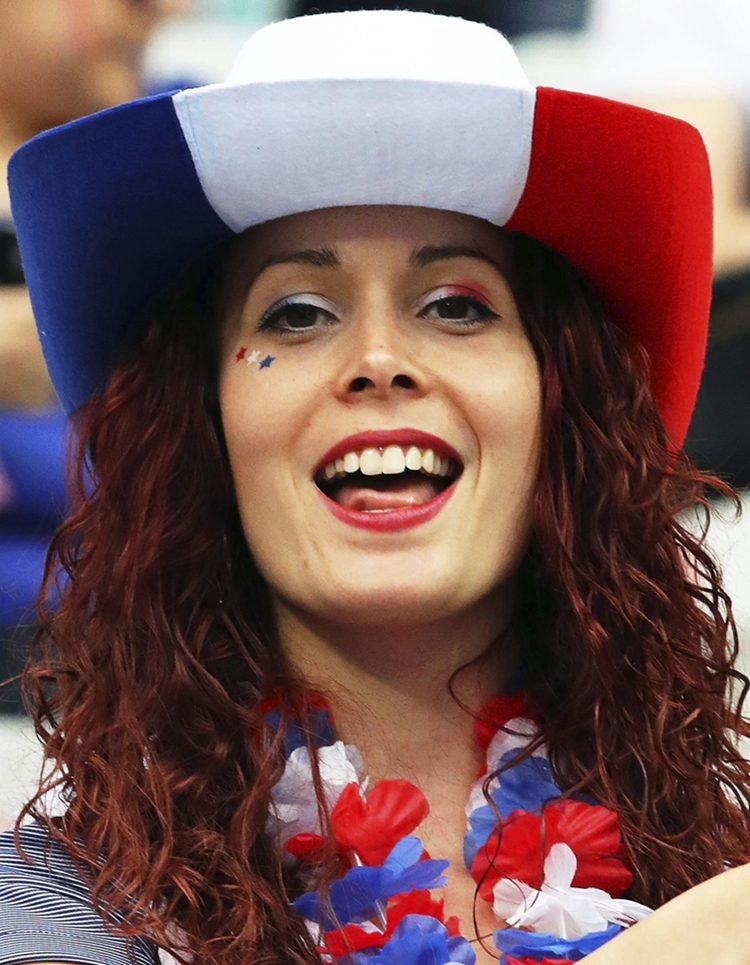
(295, 806)
(524, 731)
(557, 907)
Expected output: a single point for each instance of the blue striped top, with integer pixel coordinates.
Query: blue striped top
(46, 914)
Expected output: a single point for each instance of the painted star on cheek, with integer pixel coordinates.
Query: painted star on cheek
(266, 362)
(240, 355)
(253, 358)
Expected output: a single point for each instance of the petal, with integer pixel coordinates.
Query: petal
(519, 856)
(516, 734)
(496, 712)
(593, 833)
(527, 785)
(560, 866)
(371, 827)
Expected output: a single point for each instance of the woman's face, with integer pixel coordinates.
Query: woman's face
(381, 406)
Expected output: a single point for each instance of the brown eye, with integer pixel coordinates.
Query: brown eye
(293, 315)
(460, 309)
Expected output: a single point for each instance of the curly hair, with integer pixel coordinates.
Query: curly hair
(144, 681)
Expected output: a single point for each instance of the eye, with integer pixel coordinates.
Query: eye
(458, 308)
(297, 314)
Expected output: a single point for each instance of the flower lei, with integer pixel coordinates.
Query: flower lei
(556, 880)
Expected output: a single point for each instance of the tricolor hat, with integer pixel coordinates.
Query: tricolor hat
(368, 107)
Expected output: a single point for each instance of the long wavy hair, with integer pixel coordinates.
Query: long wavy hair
(144, 681)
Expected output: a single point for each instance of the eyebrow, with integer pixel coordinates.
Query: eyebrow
(317, 257)
(422, 257)
(419, 258)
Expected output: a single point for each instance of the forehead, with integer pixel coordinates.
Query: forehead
(350, 231)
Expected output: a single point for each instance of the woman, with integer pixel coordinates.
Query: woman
(369, 485)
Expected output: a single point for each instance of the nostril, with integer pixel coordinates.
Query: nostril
(403, 381)
(360, 384)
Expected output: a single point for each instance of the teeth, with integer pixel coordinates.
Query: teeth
(391, 462)
(371, 463)
(413, 459)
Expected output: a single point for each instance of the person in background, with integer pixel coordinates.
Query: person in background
(514, 18)
(59, 59)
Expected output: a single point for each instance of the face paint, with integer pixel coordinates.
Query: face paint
(254, 358)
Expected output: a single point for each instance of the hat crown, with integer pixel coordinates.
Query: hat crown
(379, 44)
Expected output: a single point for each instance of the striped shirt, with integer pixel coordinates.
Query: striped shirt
(46, 913)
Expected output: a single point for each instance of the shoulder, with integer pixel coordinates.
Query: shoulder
(46, 913)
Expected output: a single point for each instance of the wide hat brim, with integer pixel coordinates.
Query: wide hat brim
(112, 209)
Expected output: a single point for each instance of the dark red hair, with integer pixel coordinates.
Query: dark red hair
(144, 682)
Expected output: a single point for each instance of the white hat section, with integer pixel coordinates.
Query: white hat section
(369, 107)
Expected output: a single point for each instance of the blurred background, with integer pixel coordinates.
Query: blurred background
(60, 59)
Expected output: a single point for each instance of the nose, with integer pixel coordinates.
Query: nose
(380, 361)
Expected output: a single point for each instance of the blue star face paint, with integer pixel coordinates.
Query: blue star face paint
(266, 362)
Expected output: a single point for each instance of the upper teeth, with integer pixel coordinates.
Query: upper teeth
(390, 462)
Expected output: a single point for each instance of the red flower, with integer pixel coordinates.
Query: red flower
(370, 827)
(591, 831)
(353, 938)
(496, 713)
(301, 705)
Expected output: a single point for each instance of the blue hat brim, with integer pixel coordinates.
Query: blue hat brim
(115, 196)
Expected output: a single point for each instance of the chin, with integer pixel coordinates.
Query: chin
(389, 603)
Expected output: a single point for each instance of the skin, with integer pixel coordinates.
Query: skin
(391, 663)
(382, 620)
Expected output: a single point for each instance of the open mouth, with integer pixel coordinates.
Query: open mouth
(377, 480)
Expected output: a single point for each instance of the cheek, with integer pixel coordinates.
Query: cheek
(509, 421)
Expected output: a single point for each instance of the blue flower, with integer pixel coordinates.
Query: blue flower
(318, 726)
(352, 897)
(526, 785)
(513, 941)
(482, 822)
(419, 940)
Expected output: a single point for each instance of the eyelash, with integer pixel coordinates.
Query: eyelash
(269, 321)
(484, 312)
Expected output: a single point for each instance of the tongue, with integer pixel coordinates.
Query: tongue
(400, 493)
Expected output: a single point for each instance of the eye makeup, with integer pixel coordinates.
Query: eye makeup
(270, 319)
(477, 308)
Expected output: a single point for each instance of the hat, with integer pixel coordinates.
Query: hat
(364, 108)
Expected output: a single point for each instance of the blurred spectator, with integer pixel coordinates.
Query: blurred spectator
(59, 59)
(513, 17)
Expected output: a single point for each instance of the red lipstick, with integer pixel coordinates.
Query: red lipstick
(401, 518)
(390, 520)
(380, 438)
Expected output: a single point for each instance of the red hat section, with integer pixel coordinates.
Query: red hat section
(625, 195)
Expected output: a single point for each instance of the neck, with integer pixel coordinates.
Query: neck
(389, 687)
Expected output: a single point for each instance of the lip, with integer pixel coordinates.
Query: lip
(380, 438)
(389, 520)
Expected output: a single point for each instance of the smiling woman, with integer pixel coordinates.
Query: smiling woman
(376, 510)
(372, 352)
